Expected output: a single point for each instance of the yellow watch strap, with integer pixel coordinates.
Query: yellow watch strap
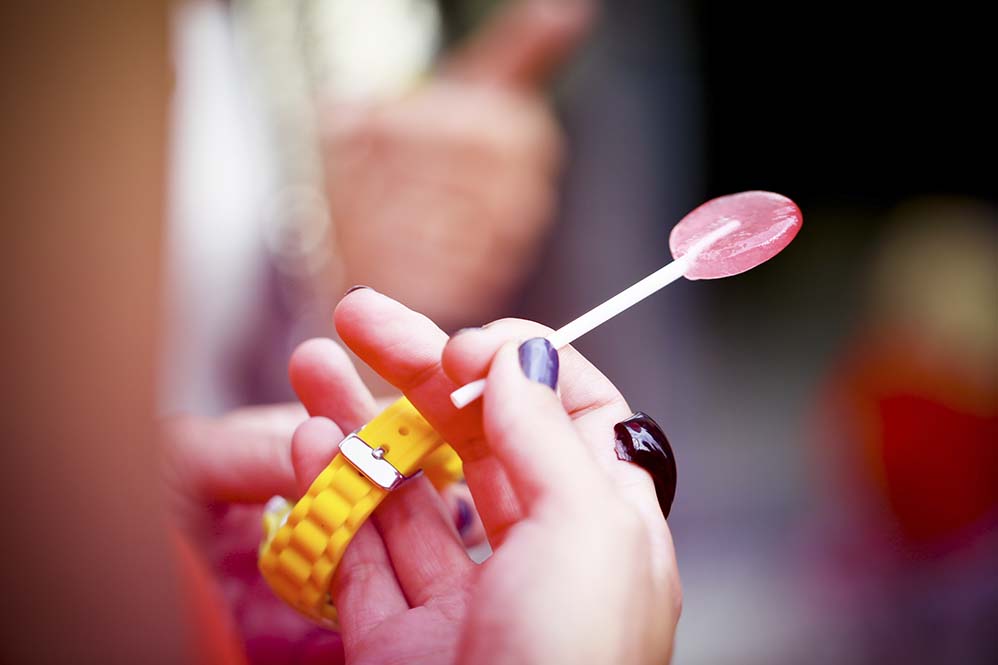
(303, 545)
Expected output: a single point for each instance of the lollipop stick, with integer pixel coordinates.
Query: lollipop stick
(602, 313)
(633, 294)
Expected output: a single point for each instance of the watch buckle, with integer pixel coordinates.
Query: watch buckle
(370, 462)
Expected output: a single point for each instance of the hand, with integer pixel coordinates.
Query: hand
(583, 568)
(456, 182)
(219, 472)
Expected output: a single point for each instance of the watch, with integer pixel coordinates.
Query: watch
(303, 544)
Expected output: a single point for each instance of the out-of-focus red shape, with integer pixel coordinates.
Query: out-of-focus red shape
(938, 464)
(930, 437)
(215, 638)
(768, 223)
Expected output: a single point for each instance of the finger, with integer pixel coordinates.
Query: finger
(540, 446)
(323, 375)
(404, 347)
(364, 587)
(523, 43)
(584, 389)
(241, 457)
(418, 532)
(498, 506)
(310, 459)
(313, 445)
(429, 560)
(464, 514)
(327, 383)
(527, 428)
(425, 558)
(592, 401)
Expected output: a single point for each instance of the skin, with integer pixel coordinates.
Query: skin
(583, 568)
(220, 471)
(459, 176)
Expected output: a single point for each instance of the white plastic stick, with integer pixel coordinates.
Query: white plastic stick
(602, 313)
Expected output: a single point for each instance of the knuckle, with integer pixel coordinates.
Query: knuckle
(515, 327)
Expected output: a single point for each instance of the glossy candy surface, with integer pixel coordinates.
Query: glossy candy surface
(768, 223)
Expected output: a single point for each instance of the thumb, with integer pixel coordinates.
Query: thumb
(530, 433)
(523, 44)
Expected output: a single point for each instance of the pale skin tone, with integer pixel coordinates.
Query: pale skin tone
(583, 568)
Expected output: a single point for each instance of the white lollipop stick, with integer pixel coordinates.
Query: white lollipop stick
(602, 313)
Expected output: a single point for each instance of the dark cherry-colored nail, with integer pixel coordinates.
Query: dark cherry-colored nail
(357, 287)
(640, 440)
(539, 361)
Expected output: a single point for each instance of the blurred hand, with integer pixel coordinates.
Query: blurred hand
(441, 197)
(583, 568)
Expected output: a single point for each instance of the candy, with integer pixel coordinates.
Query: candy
(768, 222)
(723, 237)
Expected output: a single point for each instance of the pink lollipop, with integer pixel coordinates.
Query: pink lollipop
(723, 237)
(767, 224)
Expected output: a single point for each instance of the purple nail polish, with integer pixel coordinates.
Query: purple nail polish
(539, 361)
(463, 521)
(640, 440)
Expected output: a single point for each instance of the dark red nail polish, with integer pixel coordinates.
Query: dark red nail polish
(640, 440)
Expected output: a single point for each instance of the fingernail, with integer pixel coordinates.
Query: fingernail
(358, 287)
(463, 521)
(465, 330)
(539, 361)
(641, 441)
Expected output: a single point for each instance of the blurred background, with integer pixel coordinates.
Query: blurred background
(834, 412)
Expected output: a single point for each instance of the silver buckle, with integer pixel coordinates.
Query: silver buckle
(371, 462)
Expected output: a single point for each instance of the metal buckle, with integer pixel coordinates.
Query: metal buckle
(370, 462)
